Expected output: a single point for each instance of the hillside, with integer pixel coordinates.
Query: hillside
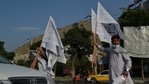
(22, 52)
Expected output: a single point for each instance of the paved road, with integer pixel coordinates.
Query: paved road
(63, 80)
(69, 82)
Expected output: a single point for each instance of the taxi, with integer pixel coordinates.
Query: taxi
(102, 77)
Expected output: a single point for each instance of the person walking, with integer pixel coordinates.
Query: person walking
(119, 62)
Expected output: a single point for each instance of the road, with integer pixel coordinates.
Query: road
(69, 82)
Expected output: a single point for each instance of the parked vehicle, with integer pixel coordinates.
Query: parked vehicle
(101, 77)
(14, 74)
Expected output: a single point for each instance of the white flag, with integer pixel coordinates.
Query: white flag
(52, 42)
(97, 27)
(94, 20)
(106, 22)
(101, 31)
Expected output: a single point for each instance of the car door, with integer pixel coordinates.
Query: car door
(103, 76)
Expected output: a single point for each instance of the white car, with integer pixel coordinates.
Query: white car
(14, 74)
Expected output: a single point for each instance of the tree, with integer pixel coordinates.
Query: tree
(2, 49)
(3, 52)
(23, 63)
(78, 39)
(35, 45)
(135, 17)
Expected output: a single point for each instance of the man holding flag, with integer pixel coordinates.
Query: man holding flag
(51, 48)
(119, 62)
(109, 31)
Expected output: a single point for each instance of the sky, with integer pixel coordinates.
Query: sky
(21, 20)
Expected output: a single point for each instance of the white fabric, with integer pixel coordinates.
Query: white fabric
(119, 80)
(52, 43)
(42, 66)
(137, 41)
(51, 40)
(106, 25)
(101, 31)
(94, 20)
(105, 17)
(51, 60)
(51, 80)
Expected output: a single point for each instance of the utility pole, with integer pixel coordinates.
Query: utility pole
(134, 3)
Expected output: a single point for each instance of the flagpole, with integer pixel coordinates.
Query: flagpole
(94, 51)
(94, 54)
(94, 28)
(35, 59)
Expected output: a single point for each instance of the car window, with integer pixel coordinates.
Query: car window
(105, 73)
(4, 60)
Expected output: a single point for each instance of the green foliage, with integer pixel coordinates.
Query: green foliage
(84, 63)
(3, 52)
(2, 49)
(23, 63)
(134, 18)
(79, 40)
(35, 45)
(59, 70)
(10, 55)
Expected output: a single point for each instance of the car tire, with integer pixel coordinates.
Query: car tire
(93, 81)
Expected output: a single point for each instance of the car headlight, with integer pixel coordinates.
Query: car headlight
(88, 79)
(5, 82)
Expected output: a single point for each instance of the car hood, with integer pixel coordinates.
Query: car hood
(12, 70)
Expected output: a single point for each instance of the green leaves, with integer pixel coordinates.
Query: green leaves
(3, 52)
(79, 40)
(134, 18)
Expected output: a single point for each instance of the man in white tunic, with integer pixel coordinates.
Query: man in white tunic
(119, 62)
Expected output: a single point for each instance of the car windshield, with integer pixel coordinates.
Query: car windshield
(4, 60)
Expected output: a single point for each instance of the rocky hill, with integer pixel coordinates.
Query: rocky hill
(22, 52)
